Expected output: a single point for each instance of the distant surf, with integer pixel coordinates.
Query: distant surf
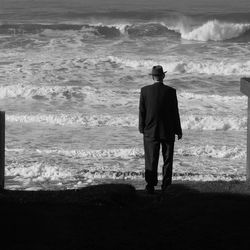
(211, 30)
(189, 122)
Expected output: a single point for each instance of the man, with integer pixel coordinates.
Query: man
(159, 122)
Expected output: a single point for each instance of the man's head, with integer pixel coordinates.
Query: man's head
(157, 73)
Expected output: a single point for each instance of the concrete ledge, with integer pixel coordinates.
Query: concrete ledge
(245, 89)
(245, 86)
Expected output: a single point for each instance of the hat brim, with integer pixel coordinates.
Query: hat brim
(157, 74)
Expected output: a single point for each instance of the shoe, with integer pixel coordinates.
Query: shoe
(164, 188)
(150, 189)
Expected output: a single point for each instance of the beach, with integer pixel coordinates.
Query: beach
(70, 80)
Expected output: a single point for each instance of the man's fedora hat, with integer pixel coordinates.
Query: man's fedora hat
(157, 71)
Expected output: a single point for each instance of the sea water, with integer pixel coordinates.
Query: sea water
(70, 79)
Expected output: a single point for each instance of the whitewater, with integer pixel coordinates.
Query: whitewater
(70, 80)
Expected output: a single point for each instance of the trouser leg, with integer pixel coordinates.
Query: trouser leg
(151, 150)
(167, 169)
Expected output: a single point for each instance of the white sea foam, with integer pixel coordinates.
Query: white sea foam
(214, 98)
(228, 152)
(190, 122)
(120, 153)
(217, 67)
(212, 30)
(37, 172)
(208, 122)
(139, 175)
(208, 177)
(105, 164)
(119, 26)
(90, 95)
(116, 97)
(76, 119)
(32, 91)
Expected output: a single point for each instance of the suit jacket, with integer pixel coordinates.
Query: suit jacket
(158, 112)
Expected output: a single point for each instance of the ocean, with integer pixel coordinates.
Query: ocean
(70, 79)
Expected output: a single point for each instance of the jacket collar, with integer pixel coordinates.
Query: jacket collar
(159, 83)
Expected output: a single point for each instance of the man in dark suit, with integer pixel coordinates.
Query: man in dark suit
(159, 122)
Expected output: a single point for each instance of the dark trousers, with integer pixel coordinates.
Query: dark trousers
(152, 150)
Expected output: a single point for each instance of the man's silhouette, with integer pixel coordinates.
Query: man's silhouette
(159, 122)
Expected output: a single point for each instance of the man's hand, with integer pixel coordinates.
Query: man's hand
(179, 136)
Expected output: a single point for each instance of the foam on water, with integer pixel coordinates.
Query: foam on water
(213, 30)
(39, 172)
(190, 122)
(198, 111)
(208, 177)
(228, 152)
(77, 119)
(99, 95)
(90, 95)
(215, 67)
(200, 122)
(32, 91)
(42, 175)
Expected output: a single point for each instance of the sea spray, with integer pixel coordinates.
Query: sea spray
(215, 31)
(211, 30)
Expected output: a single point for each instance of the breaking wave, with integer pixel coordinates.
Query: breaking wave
(215, 31)
(97, 29)
(76, 119)
(212, 30)
(228, 152)
(208, 122)
(102, 95)
(219, 67)
(189, 122)
(39, 92)
(86, 94)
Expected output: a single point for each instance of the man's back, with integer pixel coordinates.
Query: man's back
(159, 122)
(159, 115)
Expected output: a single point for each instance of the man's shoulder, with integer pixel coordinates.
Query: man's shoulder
(166, 87)
(146, 88)
(170, 88)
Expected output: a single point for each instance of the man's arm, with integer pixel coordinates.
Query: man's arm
(178, 129)
(142, 113)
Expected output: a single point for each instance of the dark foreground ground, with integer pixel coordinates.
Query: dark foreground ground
(116, 216)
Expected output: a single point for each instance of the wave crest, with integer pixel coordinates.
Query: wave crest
(96, 29)
(227, 152)
(189, 122)
(214, 31)
(223, 67)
